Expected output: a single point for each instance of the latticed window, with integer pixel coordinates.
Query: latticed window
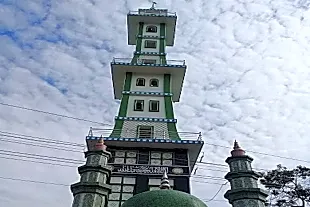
(148, 61)
(150, 44)
(122, 156)
(161, 158)
(145, 132)
(122, 190)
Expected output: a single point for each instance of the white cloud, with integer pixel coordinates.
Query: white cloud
(248, 74)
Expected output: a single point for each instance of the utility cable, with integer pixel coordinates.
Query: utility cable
(41, 139)
(54, 114)
(217, 192)
(38, 145)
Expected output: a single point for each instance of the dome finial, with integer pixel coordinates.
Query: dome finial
(237, 151)
(164, 181)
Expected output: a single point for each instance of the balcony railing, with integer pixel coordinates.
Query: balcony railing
(153, 12)
(157, 134)
(132, 61)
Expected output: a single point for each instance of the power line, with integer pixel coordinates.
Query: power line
(37, 145)
(53, 114)
(39, 162)
(217, 192)
(28, 137)
(262, 153)
(41, 156)
(90, 121)
(33, 181)
(40, 139)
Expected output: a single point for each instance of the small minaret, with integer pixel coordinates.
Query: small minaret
(164, 182)
(92, 190)
(243, 180)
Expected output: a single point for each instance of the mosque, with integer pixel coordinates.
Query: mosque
(145, 161)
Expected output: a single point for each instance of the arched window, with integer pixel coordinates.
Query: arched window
(154, 82)
(151, 28)
(140, 82)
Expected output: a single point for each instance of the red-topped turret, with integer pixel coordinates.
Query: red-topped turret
(237, 151)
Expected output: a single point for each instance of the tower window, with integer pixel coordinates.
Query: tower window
(151, 28)
(150, 44)
(145, 132)
(148, 61)
(139, 105)
(140, 82)
(154, 106)
(154, 82)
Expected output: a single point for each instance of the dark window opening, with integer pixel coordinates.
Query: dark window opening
(140, 82)
(154, 82)
(154, 106)
(145, 132)
(151, 28)
(139, 105)
(150, 44)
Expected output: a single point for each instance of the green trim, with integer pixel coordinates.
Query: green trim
(162, 43)
(139, 39)
(125, 98)
(172, 130)
(168, 100)
(123, 107)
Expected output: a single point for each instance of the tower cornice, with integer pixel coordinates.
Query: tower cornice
(91, 187)
(248, 193)
(88, 168)
(241, 174)
(236, 158)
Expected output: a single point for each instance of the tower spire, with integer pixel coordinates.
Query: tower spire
(237, 150)
(164, 182)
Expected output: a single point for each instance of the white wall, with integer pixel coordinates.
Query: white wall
(146, 112)
(147, 87)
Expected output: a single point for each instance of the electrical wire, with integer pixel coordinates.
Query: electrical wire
(38, 162)
(32, 181)
(37, 145)
(73, 144)
(54, 114)
(40, 139)
(217, 192)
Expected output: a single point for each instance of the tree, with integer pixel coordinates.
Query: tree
(288, 188)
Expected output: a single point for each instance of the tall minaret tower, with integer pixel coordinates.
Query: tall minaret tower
(144, 142)
(148, 83)
(93, 190)
(243, 180)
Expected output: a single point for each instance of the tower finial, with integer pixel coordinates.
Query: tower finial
(153, 5)
(237, 151)
(164, 182)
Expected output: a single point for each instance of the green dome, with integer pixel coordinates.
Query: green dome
(163, 198)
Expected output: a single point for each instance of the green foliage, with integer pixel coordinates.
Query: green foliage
(288, 187)
(163, 198)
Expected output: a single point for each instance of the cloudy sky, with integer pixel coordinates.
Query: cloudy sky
(247, 79)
